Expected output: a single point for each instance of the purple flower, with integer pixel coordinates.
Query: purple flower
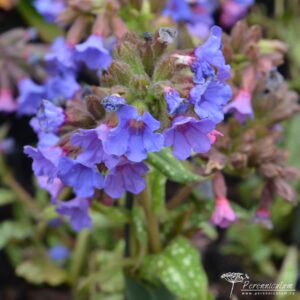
(197, 11)
(188, 134)
(77, 211)
(223, 214)
(209, 56)
(178, 10)
(61, 86)
(133, 136)
(93, 54)
(83, 179)
(113, 103)
(209, 99)
(90, 142)
(53, 187)
(234, 10)
(241, 106)
(30, 96)
(125, 176)
(175, 104)
(45, 160)
(7, 103)
(60, 57)
(49, 9)
(58, 253)
(50, 116)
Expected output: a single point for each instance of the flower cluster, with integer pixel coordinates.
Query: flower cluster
(63, 63)
(101, 139)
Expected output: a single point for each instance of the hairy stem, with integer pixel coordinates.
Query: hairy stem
(181, 196)
(79, 255)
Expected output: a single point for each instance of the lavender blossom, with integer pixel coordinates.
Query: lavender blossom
(241, 106)
(83, 179)
(188, 134)
(49, 9)
(90, 142)
(209, 57)
(133, 136)
(76, 210)
(30, 96)
(60, 57)
(175, 104)
(93, 53)
(50, 117)
(45, 160)
(209, 99)
(234, 10)
(61, 86)
(125, 176)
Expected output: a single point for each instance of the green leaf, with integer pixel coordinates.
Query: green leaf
(136, 290)
(6, 197)
(172, 168)
(157, 186)
(179, 269)
(10, 231)
(40, 270)
(46, 30)
(289, 271)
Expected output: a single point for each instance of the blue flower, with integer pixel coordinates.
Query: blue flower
(90, 142)
(188, 134)
(60, 57)
(93, 53)
(50, 117)
(233, 10)
(198, 11)
(30, 96)
(49, 9)
(83, 179)
(45, 160)
(58, 253)
(210, 98)
(125, 176)
(134, 135)
(77, 211)
(61, 86)
(209, 56)
(175, 104)
(241, 106)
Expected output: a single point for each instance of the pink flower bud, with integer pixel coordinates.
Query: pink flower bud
(223, 214)
(7, 103)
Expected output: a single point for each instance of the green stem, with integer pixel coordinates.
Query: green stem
(181, 196)
(152, 222)
(21, 194)
(79, 255)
